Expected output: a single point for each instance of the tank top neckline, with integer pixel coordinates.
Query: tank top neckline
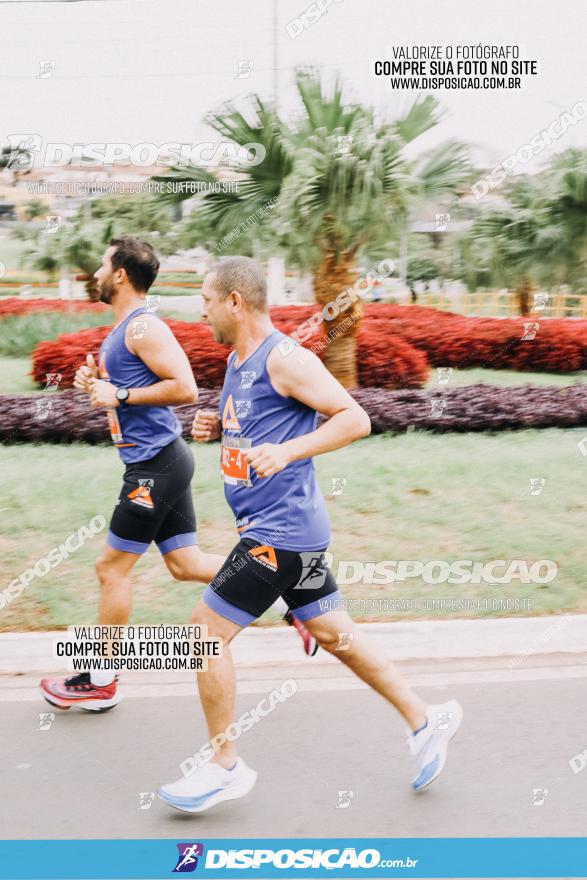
(120, 323)
(253, 353)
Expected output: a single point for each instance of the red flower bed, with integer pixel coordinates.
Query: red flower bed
(12, 305)
(66, 353)
(384, 361)
(559, 345)
(395, 345)
(387, 361)
(451, 340)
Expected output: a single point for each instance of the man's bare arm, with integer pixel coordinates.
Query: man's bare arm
(303, 376)
(161, 352)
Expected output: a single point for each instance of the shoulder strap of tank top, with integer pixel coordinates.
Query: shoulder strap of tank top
(140, 311)
(269, 344)
(262, 351)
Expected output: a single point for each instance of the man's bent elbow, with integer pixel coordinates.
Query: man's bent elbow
(187, 392)
(363, 424)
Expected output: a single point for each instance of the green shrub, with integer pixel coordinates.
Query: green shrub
(19, 334)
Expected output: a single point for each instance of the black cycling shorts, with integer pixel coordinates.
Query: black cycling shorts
(155, 503)
(255, 575)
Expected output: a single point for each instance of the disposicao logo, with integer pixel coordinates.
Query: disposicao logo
(187, 859)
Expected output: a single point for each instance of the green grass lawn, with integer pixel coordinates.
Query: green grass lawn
(14, 376)
(38, 292)
(174, 291)
(505, 377)
(414, 497)
(10, 252)
(19, 334)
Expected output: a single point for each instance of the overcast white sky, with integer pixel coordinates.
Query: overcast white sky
(135, 71)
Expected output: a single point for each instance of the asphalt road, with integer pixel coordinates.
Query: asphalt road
(83, 777)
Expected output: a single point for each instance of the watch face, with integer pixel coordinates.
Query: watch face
(122, 393)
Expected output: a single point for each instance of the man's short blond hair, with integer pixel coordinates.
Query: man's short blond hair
(246, 276)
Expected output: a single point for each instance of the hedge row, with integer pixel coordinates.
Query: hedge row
(466, 408)
(383, 361)
(395, 345)
(559, 345)
(67, 416)
(15, 306)
(475, 408)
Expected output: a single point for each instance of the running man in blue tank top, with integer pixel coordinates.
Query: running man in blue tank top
(142, 372)
(267, 423)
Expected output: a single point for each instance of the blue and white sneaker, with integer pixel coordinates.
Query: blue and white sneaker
(430, 743)
(208, 786)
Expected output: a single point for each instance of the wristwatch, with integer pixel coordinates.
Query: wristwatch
(122, 395)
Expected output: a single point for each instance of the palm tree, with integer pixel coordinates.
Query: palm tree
(566, 201)
(506, 240)
(136, 214)
(537, 235)
(35, 208)
(76, 247)
(339, 183)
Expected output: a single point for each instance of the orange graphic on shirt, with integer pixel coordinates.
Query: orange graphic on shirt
(265, 555)
(229, 419)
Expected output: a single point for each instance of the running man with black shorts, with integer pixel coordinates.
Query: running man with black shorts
(267, 419)
(142, 372)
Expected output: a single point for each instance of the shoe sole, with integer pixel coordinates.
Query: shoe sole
(238, 789)
(314, 651)
(93, 706)
(445, 753)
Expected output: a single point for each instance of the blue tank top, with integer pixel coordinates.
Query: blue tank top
(138, 432)
(286, 511)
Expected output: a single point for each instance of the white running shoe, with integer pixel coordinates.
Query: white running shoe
(208, 786)
(430, 744)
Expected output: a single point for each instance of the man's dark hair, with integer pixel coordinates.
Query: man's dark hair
(137, 258)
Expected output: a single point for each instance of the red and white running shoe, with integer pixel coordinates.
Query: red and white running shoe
(310, 643)
(78, 690)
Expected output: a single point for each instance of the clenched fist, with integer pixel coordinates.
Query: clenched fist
(88, 371)
(268, 458)
(206, 425)
(103, 393)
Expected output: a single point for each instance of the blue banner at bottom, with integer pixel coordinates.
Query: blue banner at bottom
(293, 857)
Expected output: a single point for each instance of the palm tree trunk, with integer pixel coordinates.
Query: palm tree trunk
(335, 274)
(523, 293)
(91, 286)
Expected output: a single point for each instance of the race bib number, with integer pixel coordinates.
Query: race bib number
(234, 465)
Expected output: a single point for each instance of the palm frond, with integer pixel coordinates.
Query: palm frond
(424, 114)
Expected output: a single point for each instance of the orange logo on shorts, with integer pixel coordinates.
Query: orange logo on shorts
(265, 555)
(142, 496)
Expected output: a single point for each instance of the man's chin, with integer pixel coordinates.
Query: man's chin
(221, 338)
